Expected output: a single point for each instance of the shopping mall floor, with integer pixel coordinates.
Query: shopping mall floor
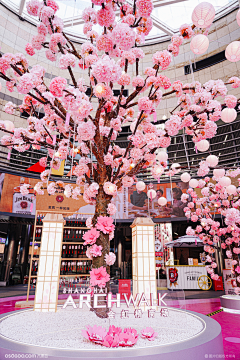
(203, 302)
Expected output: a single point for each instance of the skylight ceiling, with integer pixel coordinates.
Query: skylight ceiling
(168, 15)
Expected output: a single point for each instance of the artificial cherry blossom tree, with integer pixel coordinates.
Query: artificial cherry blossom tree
(217, 196)
(90, 125)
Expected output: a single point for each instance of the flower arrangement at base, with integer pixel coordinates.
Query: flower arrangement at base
(116, 336)
(73, 126)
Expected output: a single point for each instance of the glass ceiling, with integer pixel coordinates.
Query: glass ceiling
(166, 18)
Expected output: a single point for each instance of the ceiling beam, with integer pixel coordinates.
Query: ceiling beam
(21, 7)
(158, 3)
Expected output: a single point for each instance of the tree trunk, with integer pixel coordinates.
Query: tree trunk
(102, 201)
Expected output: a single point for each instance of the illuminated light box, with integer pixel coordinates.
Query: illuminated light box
(143, 258)
(46, 296)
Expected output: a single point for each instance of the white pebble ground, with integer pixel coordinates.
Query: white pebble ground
(63, 328)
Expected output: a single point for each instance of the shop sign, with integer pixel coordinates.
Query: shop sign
(24, 204)
(94, 298)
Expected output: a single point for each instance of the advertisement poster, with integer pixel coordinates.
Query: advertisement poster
(229, 280)
(163, 234)
(12, 201)
(140, 205)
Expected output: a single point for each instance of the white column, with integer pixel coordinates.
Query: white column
(143, 258)
(46, 296)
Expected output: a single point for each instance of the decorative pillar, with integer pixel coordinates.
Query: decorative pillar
(143, 257)
(46, 296)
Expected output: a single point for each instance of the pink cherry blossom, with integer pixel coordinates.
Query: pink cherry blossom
(99, 277)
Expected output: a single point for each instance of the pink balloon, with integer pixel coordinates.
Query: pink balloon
(199, 44)
(232, 51)
(203, 15)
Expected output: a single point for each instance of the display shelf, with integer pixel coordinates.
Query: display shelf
(74, 259)
(70, 232)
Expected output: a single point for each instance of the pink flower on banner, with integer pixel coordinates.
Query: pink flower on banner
(110, 258)
(91, 236)
(99, 277)
(95, 334)
(149, 333)
(105, 224)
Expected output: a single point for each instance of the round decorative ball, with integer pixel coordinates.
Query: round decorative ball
(203, 15)
(225, 181)
(212, 160)
(162, 201)
(176, 166)
(140, 185)
(162, 156)
(9, 125)
(228, 115)
(185, 177)
(232, 51)
(193, 183)
(238, 17)
(218, 173)
(203, 145)
(199, 44)
(151, 194)
(231, 189)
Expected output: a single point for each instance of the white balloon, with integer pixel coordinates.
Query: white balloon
(225, 181)
(151, 194)
(193, 183)
(9, 125)
(228, 115)
(162, 156)
(176, 165)
(140, 185)
(212, 160)
(218, 173)
(162, 201)
(185, 177)
(203, 145)
(231, 189)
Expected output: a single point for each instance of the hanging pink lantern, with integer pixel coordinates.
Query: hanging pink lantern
(151, 194)
(232, 51)
(228, 115)
(238, 17)
(199, 44)
(185, 177)
(218, 173)
(140, 185)
(162, 156)
(225, 181)
(162, 201)
(193, 183)
(212, 160)
(203, 145)
(203, 15)
(231, 189)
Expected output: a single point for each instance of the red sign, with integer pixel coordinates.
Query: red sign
(158, 253)
(218, 284)
(124, 287)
